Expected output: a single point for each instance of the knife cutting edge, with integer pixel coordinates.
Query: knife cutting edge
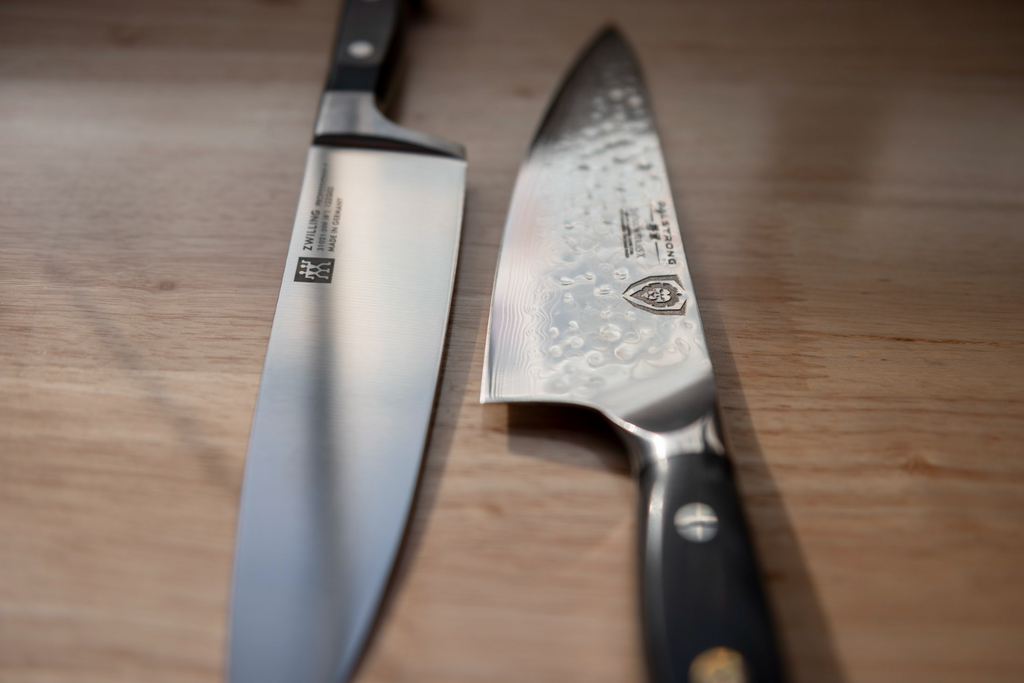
(593, 305)
(350, 375)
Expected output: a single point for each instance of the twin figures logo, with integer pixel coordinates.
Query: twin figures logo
(659, 294)
(320, 270)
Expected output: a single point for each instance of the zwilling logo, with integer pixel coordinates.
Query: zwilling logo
(314, 270)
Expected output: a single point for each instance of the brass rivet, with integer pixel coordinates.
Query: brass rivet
(718, 665)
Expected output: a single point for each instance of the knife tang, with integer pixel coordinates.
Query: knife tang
(705, 611)
(367, 47)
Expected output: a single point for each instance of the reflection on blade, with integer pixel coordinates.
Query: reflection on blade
(343, 409)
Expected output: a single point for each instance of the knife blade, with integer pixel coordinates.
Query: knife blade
(593, 305)
(350, 375)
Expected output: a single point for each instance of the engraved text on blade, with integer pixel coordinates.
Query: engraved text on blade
(594, 280)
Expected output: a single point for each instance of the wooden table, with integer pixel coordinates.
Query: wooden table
(851, 182)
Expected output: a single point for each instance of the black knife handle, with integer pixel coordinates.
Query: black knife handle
(366, 51)
(705, 614)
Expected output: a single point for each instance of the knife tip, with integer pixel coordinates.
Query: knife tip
(610, 38)
(610, 32)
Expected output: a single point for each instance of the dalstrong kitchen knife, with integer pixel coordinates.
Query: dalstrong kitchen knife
(593, 305)
(350, 374)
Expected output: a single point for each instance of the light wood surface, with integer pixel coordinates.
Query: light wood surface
(851, 182)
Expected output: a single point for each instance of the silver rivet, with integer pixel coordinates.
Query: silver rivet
(696, 522)
(360, 49)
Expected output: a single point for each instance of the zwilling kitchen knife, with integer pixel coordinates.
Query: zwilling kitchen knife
(350, 374)
(593, 305)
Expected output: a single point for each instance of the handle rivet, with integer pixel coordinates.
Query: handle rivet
(360, 49)
(718, 665)
(696, 522)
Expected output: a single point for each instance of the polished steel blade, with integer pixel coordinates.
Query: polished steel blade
(593, 302)
(343, 409)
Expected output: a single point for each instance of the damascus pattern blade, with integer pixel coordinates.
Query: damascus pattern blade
(590, 249)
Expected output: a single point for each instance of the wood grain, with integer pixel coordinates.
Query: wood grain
(851, 182)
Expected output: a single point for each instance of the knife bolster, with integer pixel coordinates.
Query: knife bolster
(648, 448)
(663, 426)
(352, 119)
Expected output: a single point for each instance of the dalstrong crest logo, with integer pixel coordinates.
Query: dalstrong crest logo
(314, 270)
(660, 294)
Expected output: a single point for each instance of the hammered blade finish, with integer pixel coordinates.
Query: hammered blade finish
(593, 302)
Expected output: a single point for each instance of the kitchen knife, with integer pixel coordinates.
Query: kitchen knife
(350, 374)
(593, 305)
